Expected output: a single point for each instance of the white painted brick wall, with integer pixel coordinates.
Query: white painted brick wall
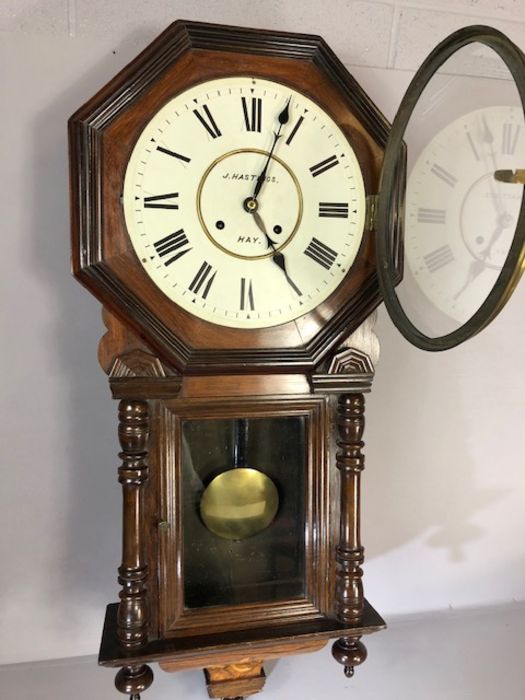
(382, 34)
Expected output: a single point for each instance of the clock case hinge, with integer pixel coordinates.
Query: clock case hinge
(372, 202)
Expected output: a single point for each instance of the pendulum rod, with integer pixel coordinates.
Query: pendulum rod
(240, 442)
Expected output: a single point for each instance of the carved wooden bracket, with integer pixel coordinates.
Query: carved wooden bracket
(137, 363)
(351, 369)
(122, 353)
(351, 361)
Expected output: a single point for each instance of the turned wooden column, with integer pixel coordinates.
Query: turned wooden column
(132, 619)
(349, 599)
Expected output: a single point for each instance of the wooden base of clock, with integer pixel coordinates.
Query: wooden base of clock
(234, 680)
(232, 660)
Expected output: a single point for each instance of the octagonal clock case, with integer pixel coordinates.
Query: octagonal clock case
(230, 211)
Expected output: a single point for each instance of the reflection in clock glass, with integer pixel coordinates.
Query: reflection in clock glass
(459, 219)
(262, 563)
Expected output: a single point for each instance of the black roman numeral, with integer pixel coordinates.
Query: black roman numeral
(208, 122)
(335, 210)
(173, 154)
(247, 301)
(252, 116)
(431, 216)
(294, 130)
(509, 138)
(439, 258)
(157, 201)
(323, 166)
(203, 280)
(174, 243)
(321, 253)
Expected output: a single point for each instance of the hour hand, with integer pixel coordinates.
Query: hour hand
(262, 227)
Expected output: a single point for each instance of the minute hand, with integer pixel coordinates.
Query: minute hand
(277, 256)
(283, 119)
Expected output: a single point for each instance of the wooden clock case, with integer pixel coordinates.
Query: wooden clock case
(165, 365)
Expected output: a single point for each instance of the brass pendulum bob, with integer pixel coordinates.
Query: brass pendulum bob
(241, 501)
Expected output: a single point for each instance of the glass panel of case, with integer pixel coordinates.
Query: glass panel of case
(264, 567)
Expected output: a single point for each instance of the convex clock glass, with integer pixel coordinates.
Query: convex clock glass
(464, 130)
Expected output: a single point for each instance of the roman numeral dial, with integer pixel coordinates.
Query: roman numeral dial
(201, 283)
(172, 247)
(460, 220)
(252, 110)
(162, 201)
(321, 253)
(202, 160)
(247, 296)
(205, 117)
(334, 210)
(324, 166)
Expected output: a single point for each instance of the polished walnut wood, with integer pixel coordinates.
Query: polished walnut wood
(166, 366)
(133, 572)
(230, 647)
(317, 602)
(163, 544)
(132, 617)
(133, 680)
(349, 598)
(229, 656)
(102, 135)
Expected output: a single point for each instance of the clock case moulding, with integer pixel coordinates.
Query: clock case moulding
(164, 363)
(102, 134)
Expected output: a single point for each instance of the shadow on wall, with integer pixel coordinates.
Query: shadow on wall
(91, 545)
(420, 469)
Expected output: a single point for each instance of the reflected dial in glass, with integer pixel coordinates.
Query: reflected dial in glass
(244, 202)
(460, 220)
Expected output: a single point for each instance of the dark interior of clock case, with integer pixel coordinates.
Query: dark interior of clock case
(269, 565)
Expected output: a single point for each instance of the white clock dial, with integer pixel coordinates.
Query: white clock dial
(190, 176)
(460, 221)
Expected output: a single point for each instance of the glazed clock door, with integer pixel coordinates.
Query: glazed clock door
(462, 122)
(245, 501)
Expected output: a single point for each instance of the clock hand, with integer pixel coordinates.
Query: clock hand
(503, 221)
(283, 117)
(475, 269)
(478, 265)
(277, 257)
(260, 224)
(488, 138)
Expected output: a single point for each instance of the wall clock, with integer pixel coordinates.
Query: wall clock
(237, 207)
